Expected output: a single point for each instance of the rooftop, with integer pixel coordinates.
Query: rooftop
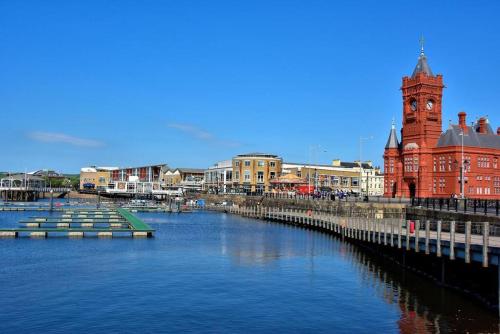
(257, 154)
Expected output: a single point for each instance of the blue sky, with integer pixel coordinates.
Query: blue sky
(188, 83)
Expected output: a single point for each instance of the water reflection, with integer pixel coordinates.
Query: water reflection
(211, 272)
(423, 305)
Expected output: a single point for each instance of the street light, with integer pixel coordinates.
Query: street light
(361, 139)
(462, 171)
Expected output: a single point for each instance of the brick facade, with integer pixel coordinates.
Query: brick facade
(428, 162)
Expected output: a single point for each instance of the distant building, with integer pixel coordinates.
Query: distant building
(219, 177)
(189, 179)
(47, 173)
(138, 180)
(463, 160)
(95, 178)
(339, 176)
(253, 172)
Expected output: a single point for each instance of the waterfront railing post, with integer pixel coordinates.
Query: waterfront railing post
(438, 241)
(400, 229)
(417, 235)
(427, 236)
(392, 233)
(467, 241)
(408, 235)
(486, 234)
(452, 240)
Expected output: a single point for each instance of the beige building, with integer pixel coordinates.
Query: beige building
(189, 179)
(95, 178)
(252, 172)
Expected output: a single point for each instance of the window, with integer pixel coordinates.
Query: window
(272, 163)
(496, 184)
(345, 181)
(229, 175)
(247, 163)
(415, 163)
(442, 184)
(391, 165)
(435, 165)
(237, 163)
(260, 177)
(408, 164)
(272, 175)
(247, 175)
(236, 175)
(335, 180)
(260, 163)
(442, 163)
(434, 186)
(449, 164)
(354, 181)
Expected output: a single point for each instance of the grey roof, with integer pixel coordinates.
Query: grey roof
(422, 66)
(22, 176)
(342, 164)
(257, 154)
(191, 170)
(392, 141)
(472, 138)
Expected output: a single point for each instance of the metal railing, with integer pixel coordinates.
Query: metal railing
(465, 205)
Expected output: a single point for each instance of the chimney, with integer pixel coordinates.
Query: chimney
(482, 125)
(461, 120)
(336, 162)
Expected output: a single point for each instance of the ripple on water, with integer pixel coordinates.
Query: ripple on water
(211, 272)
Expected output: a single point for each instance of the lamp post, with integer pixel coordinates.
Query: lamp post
(361, 139)
(462, 171)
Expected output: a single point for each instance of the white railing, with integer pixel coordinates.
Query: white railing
(32, 188)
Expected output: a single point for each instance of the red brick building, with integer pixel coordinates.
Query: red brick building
(428, 162)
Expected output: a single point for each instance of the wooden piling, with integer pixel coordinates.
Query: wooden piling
(400, 228)
(452, 240)
(486, 234)
(427, 236)
(467, 241)
(438, 239)
(417, 235)
(408, 235)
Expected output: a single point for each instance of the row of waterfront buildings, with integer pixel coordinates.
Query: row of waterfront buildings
(462, 161)
(245, 173)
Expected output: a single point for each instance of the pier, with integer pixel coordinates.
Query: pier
(82, 223)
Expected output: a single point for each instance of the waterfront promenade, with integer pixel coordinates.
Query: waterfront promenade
(465, 240)
(455, 248)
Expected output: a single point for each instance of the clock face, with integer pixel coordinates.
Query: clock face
(413, 105)
(429, 105)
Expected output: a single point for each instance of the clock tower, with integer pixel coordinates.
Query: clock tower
(422, 96)
(422, 101)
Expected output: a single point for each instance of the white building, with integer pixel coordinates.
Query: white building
(219, 177)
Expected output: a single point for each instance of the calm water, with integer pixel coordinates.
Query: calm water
(211, 272)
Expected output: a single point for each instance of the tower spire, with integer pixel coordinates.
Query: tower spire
(422, 65)
(422, 42)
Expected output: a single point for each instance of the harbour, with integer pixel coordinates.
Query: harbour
(233, 264)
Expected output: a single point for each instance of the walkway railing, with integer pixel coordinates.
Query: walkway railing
(473, 242)
(39, 189)
(466, 205)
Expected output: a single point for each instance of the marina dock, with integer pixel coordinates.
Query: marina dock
(82, 223)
